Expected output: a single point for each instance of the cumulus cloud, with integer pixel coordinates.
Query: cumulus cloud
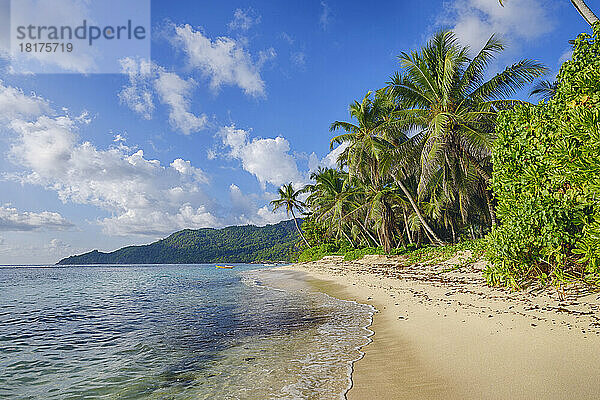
(248, 210)
(269, 160)
(329, 161)
(119, 180)
(225, 61)
(474, 21)
(16, 104)
(175, 92)
(142, 195)
(13, 220)
(244, 19)
(155, 222)
(147, 79)
(138, 94)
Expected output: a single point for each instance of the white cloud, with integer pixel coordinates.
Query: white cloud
(155, 222)
(325, 16)
(185, 168)
(269, 160)
(474, 21)
(13, 220)
(248, 210)
(175, 92)
(138, 95)
(142, 195)
(225, 61)
(244, 19)
(330, 159)
(15, 104)
(147, 78)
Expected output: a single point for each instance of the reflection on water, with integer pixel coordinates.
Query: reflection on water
(172, 331)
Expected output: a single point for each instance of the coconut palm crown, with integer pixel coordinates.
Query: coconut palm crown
(288, 198)
(442, 94)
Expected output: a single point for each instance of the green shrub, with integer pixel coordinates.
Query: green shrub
(547, 181)
(357, 254)
(443, 253)
(326, 249)
(414, 254)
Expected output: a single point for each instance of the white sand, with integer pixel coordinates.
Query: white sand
(448, 336)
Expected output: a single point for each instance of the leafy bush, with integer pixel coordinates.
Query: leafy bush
(443, 253)
(547, 181)
(414, 255)
(326, 249)
(357, 254)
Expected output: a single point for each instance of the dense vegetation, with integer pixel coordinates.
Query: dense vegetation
(441, 155)
(547, 180)
(244, 244)
(416, 163)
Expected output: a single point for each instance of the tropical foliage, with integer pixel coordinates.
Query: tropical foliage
(415, 160)
(547, 180)
(288, 198)
(441, 154)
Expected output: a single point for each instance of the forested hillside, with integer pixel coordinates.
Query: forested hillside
(242, 244)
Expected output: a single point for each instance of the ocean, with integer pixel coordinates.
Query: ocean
(174, 332)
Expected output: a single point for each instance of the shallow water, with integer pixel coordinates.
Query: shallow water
(173, 331)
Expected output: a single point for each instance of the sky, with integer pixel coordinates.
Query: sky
(235, 101)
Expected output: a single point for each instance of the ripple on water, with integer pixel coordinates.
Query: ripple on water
(172, 332)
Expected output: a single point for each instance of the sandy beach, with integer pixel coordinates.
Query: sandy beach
(446, 335)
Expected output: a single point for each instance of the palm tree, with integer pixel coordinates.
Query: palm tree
(330, 200)
(442, 93)
(583, 10)
(368, 151)
(288, 198)
(544, 89)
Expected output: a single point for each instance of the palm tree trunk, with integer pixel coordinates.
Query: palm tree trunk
(299, 231)
(368, 233)
(406, 226)
(386, 232)
(488, 199)
(430, 231)
(585, 11)
(347, 237)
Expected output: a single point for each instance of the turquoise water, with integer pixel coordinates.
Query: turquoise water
(173, 332)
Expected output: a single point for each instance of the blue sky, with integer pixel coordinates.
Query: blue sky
(236, 100)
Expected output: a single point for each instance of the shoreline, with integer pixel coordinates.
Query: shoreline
(448, 336)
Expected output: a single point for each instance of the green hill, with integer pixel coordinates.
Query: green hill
(243, 244)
